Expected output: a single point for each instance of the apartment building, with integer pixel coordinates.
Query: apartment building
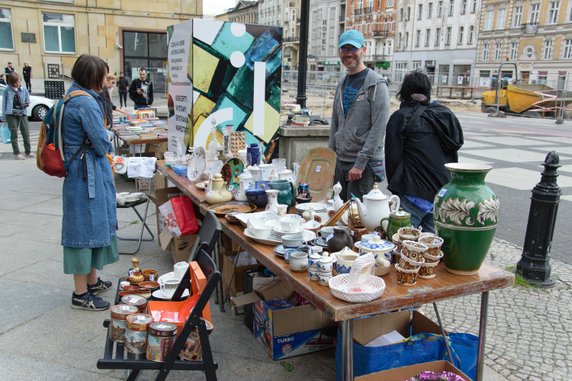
(127, 34)
(536, 35)
(271, 12)
(245, 12)
(376, 20)
(325, 26)
(438, 36)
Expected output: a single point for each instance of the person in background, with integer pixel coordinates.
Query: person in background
(9, 69)
(141, 91)
(360, 113)
(2, 78)
(14, 106)
(89, 215)
(108, 105)
(421, 137)
(123, 87)
(27, 72)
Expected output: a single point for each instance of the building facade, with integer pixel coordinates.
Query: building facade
(127, 34)
(245, 12)
(438, 36)
(324, 30)
(536, 35)
(271, 12)
(376, 20)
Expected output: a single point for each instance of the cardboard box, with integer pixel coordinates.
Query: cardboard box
(233, 276)
(180, 247)
(406, 372)
(407, 323)
(283, 329)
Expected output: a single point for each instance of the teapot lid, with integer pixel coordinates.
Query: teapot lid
(401, 213)
(375, 194)
(216, 177)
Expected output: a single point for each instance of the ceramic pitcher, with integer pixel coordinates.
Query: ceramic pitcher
(396, 220)
(286, 191)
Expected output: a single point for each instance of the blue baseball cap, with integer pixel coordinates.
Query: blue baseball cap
(351, 37)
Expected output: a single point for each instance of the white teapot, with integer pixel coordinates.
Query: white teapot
(245, 181)
(376, 206)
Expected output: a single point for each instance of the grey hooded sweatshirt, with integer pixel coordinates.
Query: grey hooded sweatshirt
(358, 137)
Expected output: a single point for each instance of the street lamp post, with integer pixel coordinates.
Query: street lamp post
(534, 264)
(303, 55)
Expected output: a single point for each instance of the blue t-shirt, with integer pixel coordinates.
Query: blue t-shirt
(351, 88)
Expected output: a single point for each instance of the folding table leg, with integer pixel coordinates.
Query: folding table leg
(482, 335)
(347, 351)
(144, 227)
(133, 375)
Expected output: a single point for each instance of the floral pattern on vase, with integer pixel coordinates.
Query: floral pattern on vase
(466, 215)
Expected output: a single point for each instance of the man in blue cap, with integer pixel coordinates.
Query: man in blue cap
(359, 116)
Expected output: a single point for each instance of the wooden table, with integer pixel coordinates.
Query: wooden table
(444, 286)
(145, 137)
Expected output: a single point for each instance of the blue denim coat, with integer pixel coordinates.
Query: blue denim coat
(8, 100)
(89, 214)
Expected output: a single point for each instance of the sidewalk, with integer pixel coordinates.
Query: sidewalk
(42, 338)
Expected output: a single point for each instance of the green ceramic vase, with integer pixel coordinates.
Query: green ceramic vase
(466, 214)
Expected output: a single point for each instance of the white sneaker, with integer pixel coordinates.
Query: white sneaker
(30, 155)
(19, 157)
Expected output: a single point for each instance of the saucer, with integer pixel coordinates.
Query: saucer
(158, 294)
(320, 241)
(264, 241)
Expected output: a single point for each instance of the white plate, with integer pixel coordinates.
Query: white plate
(266, 215)
(166, 276)
(264, 241)
(197, 164)
(159, 295)
(279, 232)
(316, 207)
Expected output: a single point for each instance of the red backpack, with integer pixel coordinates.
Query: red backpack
(50, 156)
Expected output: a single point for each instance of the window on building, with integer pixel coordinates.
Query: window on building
(429, 10)
(547, 49)
(471, 34)
(529, 52)
(6, 40)
(417, 38)
(448, 36)
(399, 41)
(498, 47)
(419, 11)
(59, 33)
(534, 14)
(461, 33)
(474, 7)
(451, 7)
(389, 3)
(427, 37)
(513, 50)
(437, 36)
(567, 48)
(485, 51)
(542, 77)
(406, 44)
(517, 16)
(553, 12)
(489, 20)
(408, 15)
(501, 18)
(440, 9)
(400, 14)
(415, 65)
(570, 12)
(464, 7)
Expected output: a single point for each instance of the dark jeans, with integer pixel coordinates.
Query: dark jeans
(28, 84)
(15, 122)
(418, 216)
(123, 98)
(357, 188)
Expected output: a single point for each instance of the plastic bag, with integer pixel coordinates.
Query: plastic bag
(5, 134)
(179, 215)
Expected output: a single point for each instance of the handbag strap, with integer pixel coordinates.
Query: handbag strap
(413, 119)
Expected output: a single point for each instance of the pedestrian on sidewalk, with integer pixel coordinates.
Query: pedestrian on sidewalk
(360, 113)
(27, 72)
(89, 216)
(123, 87)
(9, 69)
(421, 137)
(141, 91)
(15, 112)
(108, 105)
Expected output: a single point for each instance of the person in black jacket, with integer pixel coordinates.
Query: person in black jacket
(141, 91)
(122, 86)
(27, 72)
(417, 150)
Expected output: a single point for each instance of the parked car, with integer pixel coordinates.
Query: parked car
(38, 108)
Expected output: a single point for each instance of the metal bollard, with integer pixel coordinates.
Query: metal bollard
(534, 264)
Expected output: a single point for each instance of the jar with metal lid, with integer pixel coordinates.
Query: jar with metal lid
(136, 334)
(135, 300)
(118, 325)
(160, 340)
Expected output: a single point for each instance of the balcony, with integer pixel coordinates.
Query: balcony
(380, 33)
(529, 28)
(292, 39)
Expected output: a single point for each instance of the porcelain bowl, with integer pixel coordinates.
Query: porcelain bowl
(257, 196)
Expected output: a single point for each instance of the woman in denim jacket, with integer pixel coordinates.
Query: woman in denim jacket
(15, 112)
(89, 214)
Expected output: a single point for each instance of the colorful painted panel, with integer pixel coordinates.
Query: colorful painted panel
(235, 72)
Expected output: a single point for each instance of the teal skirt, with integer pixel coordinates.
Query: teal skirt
(81, 261)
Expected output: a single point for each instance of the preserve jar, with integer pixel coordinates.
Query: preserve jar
(118, 326)
(160, 339)
(136, 334)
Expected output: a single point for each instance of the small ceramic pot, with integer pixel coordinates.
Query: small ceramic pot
(345, 260)
(406, 277)
(432, 242)
(298, 261)
(408, 233)
(428, 270)
(257, 196)
(413, 250)
(292, 240)
(326, 264)
(314, 261)
(433, 258)
(313, 274)
(324, 278)
(408, 263)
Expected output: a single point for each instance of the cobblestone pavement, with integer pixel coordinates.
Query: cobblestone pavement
(529, 330)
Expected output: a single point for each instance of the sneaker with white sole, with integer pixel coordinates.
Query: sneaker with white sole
(19, 157)
(99, 287)
(89, 302)
(30, 155)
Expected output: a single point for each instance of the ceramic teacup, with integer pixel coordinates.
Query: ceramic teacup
(292, 240)
(180, 268)
(290, 223)
(313, 275)
(345, 261)
(326, 231)
(314, 261)
(326, 264)
(168, 287)
(298, 261)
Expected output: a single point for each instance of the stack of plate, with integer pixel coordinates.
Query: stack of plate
(317, 207)
(277, 232)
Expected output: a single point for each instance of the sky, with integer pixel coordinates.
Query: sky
(215, 7)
